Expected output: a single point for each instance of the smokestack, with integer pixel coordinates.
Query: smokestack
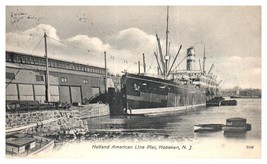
(190, 59)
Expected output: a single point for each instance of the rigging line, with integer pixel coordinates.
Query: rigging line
(180, 62)
(37, 44)
(13, 77)
(20, 67)
(68, 44)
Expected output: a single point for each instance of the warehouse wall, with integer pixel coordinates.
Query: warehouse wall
(64, 87)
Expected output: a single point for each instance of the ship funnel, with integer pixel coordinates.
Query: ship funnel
(190, 59)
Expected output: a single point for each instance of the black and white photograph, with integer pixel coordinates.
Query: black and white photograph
(133, 81)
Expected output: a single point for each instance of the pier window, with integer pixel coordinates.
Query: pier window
(43, 62)
(52, 64)
(67, 66)
(64, 80)
(28, 60)
(40, 62)
(36, 62)
(64, 65)
(31, 60)
(85, 81)
(17, 59)
(70, 66)
(8, 58)
(23, 59)
(10, 75)
(39, 78)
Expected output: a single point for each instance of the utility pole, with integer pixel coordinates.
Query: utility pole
(47, 94)
(106, 75)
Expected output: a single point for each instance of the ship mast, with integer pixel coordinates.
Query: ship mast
(167, 43)
(204, 59)
(144, 63)
(165, 72)
(159, 68)
(161, 56)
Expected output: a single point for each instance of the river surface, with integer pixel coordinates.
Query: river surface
(181, 124)
(147, 135)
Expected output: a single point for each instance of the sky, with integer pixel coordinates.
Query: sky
(231, 36)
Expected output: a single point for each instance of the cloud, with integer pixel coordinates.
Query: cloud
(85, 49)
(133, 39)
(28, 41)
(125, 48)
(92, 44)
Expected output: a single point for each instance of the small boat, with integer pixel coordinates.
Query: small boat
(228, 102)
(216, 101)
(236, 125)
(24, 145)
(208, 127)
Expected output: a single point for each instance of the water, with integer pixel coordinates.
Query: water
(181, 124)
(171, 130)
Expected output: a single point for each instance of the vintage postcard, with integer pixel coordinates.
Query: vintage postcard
(126, 82)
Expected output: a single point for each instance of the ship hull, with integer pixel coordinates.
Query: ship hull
(162, 110)
(144, 94)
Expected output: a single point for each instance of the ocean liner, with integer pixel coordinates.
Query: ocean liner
(173, 89)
